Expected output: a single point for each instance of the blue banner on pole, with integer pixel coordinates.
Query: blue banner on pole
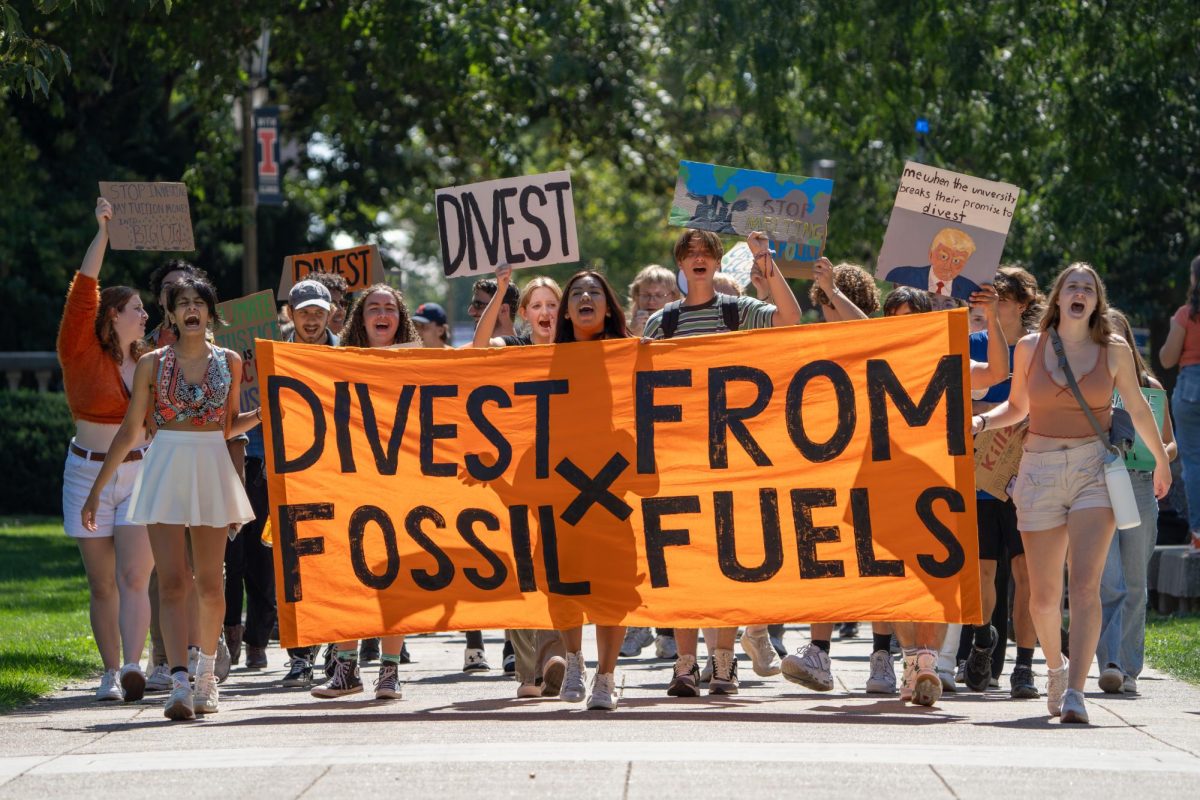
(266, 156)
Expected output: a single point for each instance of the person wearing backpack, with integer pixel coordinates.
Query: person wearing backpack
(704, 311)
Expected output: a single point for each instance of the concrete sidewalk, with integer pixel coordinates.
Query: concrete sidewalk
(465, 735)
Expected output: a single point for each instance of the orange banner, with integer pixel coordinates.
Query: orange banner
(817, 473)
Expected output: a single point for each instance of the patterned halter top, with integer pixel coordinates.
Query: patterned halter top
(176, 400)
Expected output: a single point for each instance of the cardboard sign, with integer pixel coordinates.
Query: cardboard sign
(1140, 457)
(149, 216)
(247, 319)
(713, 480)
(361, 267)
(523, 222)
(738, 264)
(947, 231)
(792, 210)
(997, 459)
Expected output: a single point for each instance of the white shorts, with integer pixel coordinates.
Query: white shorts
(188, 478)
(79, 474)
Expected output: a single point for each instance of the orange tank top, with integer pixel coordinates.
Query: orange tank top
(1053, 409)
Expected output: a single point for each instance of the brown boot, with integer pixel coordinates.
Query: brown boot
(233, 639)
(256, 657)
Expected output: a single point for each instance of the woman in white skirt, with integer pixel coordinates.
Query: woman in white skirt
(187, 480)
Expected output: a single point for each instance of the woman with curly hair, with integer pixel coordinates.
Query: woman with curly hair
(378, 318)
(99, 343)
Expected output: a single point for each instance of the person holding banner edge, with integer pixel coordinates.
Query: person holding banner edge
(186, 480)
(1064, 509)
(702, 311)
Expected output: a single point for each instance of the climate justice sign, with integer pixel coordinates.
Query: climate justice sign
(713, 480)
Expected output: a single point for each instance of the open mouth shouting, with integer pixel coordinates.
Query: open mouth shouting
(191, 321)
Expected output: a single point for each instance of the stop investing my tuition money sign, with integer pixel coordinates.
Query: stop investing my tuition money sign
(149, 216)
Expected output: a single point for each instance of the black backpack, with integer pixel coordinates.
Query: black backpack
(727, 305)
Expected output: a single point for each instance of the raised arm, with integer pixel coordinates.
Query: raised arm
(94, 258)
(487, 320)
(127, 436)
(1139, 410)
(787, 308)
(1016, 407)
(997, 366)
(843, 307)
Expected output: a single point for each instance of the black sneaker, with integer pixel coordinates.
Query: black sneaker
(979, 663)
(368, 650)
(510, 658)
(685, 680)
(405, 658)
(345, 680)
(848, 630)
(1021, 683)
(300, 674)
(775, 637)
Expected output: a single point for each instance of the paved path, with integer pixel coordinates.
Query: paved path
(457, 735)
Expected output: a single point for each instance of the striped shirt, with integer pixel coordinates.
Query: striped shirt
(706, 318)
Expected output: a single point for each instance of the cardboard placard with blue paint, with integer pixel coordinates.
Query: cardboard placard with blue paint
(791, 209)
(947, 231)
(1139, 456)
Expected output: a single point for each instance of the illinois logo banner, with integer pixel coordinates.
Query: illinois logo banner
(816, 473)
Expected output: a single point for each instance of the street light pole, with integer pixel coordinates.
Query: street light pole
(249, 197)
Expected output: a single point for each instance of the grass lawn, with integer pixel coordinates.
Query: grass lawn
(1173, 645)
(45, 636)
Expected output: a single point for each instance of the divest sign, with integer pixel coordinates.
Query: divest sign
(815, 473)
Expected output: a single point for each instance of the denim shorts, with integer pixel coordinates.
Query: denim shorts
(1051, 485)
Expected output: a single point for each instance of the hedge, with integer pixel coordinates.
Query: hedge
(33, 442)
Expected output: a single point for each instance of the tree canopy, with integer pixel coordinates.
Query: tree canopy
(1089, 107)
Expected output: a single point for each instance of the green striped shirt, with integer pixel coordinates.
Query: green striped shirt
(706, 318)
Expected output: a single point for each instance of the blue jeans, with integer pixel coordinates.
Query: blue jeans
(1123, 584)
(1185, 407)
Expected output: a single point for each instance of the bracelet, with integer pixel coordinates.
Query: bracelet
(766, 253)
(258, 413)
(982, 422)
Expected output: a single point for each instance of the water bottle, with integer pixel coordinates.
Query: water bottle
(1120, 492)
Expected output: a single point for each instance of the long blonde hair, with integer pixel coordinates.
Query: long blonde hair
(1099, 324)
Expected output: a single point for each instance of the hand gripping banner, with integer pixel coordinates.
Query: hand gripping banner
(815, 473)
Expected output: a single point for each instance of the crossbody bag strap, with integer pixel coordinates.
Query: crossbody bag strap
(1056, 343)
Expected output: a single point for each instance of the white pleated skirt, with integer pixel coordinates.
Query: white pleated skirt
(187, 478)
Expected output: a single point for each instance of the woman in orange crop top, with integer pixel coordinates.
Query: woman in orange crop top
(187, 480)
(1063, 508)
(1182, 347)
(99, 342)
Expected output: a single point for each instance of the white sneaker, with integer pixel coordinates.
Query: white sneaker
(664, 647)
(159, 679)
(475, 660)
(1129, 686)
(636, 640)
(883, 673)
(946, 676)
(205, 696)
(906, 680)
(809, 667)
(110, 687)
(529, 690)
(193, 661)
(604, 694)
(724, 677)
(179, 702)
(1073, 709)
(927, 687)
(1056, 684)
(553, 672)
(762, 656)
(574, 685)
(133, 682)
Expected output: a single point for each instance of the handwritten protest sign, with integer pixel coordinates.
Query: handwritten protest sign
(792, 210)
(246, 319)
(360, 266)
(1139, 457)
(149, 216)
(947, 231)
(718, 480)
(523, 222)
(997, 459)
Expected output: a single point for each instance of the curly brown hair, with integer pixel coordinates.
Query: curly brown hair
(854, 282)
(112, 302)
(354, 334)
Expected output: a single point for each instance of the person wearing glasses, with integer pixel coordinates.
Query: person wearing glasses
(653, 288)
(483, 291)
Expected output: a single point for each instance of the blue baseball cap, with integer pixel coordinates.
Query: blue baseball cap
(430, 312)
